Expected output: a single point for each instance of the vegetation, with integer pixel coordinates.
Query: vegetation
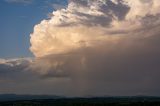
(110, 101)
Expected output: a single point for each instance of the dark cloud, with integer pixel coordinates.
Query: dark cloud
(129, 67)
(109, 9)
(120, 10)
(15, 70)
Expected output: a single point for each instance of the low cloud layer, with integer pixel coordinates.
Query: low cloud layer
(94, 47)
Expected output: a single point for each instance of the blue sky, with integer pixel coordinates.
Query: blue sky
(17, 20)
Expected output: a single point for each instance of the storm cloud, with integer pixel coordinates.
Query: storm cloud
(94, 47)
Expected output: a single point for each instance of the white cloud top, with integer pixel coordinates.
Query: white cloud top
(84, 22)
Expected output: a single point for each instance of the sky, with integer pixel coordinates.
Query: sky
(80, 47)
(17, 19)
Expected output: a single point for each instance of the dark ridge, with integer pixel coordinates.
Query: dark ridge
(46, 100)
(14, 97)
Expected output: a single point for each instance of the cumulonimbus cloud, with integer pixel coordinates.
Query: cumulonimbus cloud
(103, 46)
(68, 28)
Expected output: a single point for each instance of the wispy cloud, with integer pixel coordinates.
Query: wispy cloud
(19, 1)
(57, 4)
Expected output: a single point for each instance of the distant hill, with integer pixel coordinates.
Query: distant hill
(44, 100)
(14, 97)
